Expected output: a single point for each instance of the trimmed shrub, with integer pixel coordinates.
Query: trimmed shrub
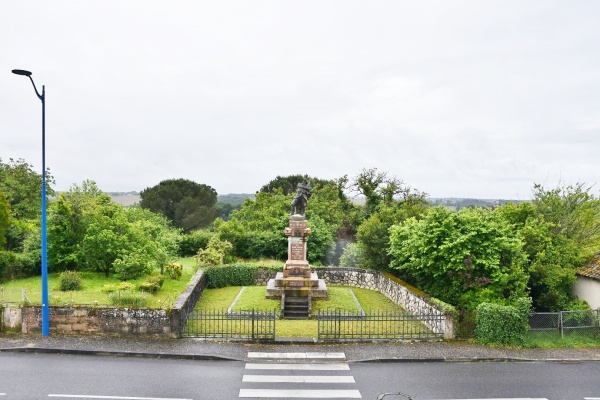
(504, 325)
(230, 275)
(174, 270)
(70, 280)
(152, 284)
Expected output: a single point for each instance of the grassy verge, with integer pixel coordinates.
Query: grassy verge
(92, 292)
(554, 339)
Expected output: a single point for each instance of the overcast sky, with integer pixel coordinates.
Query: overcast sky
(457, 98)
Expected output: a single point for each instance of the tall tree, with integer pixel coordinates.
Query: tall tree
(4, 219)
(22, 187)
(187, 204)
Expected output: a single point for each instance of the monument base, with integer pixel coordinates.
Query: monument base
(296, 286)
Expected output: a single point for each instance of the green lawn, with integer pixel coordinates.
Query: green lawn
(253, 297)
(92, 292)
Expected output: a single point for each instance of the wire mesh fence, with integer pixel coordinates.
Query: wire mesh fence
(565, 325)
(219, 324)
(384, 324)
(128, 299)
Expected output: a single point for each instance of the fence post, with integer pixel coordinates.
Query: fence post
(253, 324)
(561, 325)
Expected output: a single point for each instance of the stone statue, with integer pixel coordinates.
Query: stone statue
(301, 198)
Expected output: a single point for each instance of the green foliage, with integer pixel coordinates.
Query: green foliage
(373, 235)
(504, 325)
(217, 252)
(463, 258)
(352, 256)
(192, 242)
(118, 287)
(230, 275)
(288, 184)
(152, 284)
(131, 266)
(4, 219)
(70, 280)
(22, 187)
(572, 210)
(128, 299)
(174, 270)
(187, 204)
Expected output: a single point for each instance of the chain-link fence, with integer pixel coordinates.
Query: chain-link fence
(129, 299)
(565, 324)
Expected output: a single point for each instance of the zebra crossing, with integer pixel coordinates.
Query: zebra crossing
(299, 375)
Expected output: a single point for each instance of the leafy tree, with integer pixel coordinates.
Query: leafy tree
(70, 216)
(4, 219)
(573, 212)
(22, 187)
(463, 258)
(187, 204)
(288, 184)
(553, 255)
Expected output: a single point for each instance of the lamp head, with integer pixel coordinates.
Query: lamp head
(21, 72)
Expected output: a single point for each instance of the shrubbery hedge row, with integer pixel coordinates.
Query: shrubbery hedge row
(238, 274)
(498, 324)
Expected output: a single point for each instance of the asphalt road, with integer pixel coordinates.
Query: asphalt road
(42, 376)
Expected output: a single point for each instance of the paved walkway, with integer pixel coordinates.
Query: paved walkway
(355, 352)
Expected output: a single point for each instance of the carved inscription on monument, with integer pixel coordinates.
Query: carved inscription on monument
(297, 251)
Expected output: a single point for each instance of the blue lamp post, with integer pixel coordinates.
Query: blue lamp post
(45, 309)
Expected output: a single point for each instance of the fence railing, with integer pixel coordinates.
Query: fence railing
(374, 325)
(566, 323)
(248, 325)
(128, 299)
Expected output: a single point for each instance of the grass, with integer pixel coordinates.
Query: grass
(92, 292)
(553, 339)
(253, 297)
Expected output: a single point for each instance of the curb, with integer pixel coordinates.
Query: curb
(44, 350)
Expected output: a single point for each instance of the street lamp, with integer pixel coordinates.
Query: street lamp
(45, 309)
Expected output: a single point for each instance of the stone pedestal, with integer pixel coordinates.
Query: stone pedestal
(296, 280)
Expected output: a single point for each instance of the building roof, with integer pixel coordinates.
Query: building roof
(591, 269)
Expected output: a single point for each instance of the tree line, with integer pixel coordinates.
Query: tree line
(465, 257)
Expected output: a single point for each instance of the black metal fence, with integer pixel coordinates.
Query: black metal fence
(565, 324)
(374, 325)
(246, 325)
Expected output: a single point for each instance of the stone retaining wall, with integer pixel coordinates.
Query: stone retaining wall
(109, 320)
(401, 293)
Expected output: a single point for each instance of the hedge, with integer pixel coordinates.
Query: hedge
(238, 274)
(505, 325)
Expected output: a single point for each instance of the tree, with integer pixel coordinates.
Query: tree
(288, 184)
(187, 204)
(463, 258)
(553, 253)
(22, 187)
(4, 219)
(573, 211)
(70, 216)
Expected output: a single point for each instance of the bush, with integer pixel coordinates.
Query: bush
(174, 270)
(119, 287)
(131, 266)
(192, 242)
(127, 299)
(70, 280)
(505, 325)
(352, 256)
(152, 284)
(230, 275)
(217, 252)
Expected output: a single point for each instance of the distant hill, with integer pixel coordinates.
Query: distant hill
(458, 203)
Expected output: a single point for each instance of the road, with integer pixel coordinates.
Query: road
(52, 376)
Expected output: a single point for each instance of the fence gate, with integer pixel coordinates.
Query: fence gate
(247, 325)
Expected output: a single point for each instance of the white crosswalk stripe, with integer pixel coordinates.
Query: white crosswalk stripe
(288, 384)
